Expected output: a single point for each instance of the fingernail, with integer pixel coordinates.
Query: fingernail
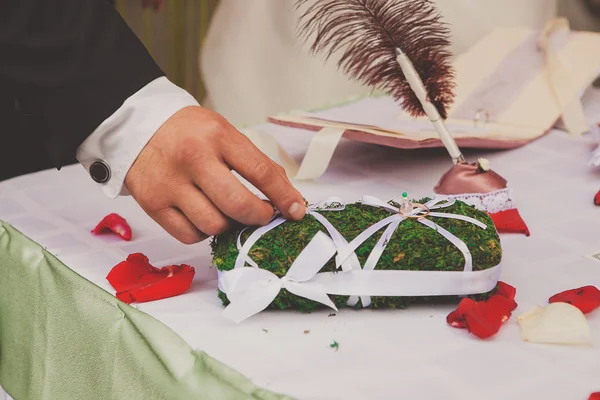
(297, 211)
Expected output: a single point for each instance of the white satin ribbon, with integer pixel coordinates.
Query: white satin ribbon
(398, 217)
(351, 262)
(251, 290)
(315, 161)
(243, 257)
(559, 79)
(319, 153)
(392, 224)
(331, 204)
(408, 283)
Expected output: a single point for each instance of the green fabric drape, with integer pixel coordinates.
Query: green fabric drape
(64, 338)
(173, 37)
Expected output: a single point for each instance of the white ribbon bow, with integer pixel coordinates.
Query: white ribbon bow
(350, 262)
(251, 290)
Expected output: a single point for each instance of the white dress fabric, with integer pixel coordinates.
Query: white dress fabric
(254, 65)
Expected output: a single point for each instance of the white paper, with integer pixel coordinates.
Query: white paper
(385, 113)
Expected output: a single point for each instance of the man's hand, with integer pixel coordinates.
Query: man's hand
(183, 178)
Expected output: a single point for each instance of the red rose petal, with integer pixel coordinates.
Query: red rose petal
(594, 396)
(506, 290)
(456, 320)
(597, 199)
(510, 221)
(485, 318)
(174, 285)
(479, 318)
(137, 280)
(586, 298)
(502, 306)
(130, 272)
(116, 224)
(483, 321)
(457, 317)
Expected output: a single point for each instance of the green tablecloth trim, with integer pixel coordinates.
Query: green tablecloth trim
(64, 338)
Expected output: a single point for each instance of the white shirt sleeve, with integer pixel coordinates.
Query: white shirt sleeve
(119, 140)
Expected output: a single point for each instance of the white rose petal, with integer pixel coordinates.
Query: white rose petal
(557, 323)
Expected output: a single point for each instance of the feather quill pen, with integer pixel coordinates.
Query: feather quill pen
(400, 46)
(369, 32)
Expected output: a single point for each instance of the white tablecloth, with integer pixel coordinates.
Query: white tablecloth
(401, 354)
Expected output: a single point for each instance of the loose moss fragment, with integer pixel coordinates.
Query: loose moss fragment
(335, 345)
(413, 247)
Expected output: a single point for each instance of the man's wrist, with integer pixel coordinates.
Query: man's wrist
(110, 151)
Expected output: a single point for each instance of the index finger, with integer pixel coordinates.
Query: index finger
(267, 176)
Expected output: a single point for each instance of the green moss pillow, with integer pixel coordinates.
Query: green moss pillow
(370, 253)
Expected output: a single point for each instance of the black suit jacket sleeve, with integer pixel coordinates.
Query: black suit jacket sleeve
(71, 63)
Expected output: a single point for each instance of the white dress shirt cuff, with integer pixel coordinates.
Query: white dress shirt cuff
(117, 142)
